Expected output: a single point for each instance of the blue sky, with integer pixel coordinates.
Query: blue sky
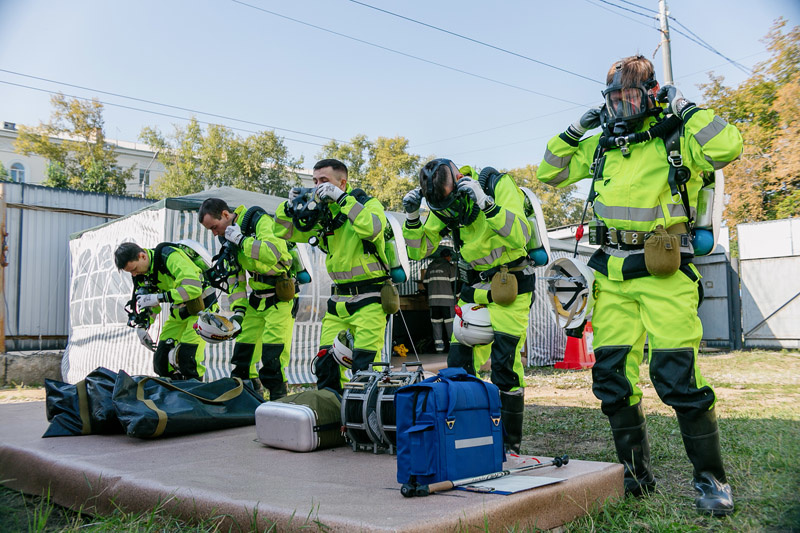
(479, 106)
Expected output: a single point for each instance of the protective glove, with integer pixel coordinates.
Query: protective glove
(411, 202)
(234, 234)
(149, 300)
(145, 339)
(328, 192)
(588, 121)
(473, 189)
(294, 192)
(678, 105)
(237, 319)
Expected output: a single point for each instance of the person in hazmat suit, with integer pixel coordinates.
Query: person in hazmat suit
(165, 274)
(265, 313)
(348, 226)
(483, 212)
(654, 153)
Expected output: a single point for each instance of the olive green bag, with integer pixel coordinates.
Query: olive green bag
(390, 298)
(284, 288)
(504, 287)
(662, 252)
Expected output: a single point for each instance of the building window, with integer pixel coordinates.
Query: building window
(144, 177)
(17, 172)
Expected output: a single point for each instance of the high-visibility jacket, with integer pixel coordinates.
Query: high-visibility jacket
(633, 192)
(495, 238)
(179, 278)
(349, 259)
(264, 255)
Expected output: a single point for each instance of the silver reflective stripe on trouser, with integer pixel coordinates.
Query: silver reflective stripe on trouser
(493, 256)
(474, 442)
(639, 214)
(356, 271)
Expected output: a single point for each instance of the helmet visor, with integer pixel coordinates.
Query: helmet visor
(625, 103)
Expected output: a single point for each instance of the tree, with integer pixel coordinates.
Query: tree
(559, 205)
(354, 154)
(384, 168)
(193, 161)
(763, 184)
(74, 143)
(3, 172)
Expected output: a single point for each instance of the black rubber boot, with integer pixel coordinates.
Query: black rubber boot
(241, 360)
(701, 439)
(512, 409)
(278, 392)
(629, 428)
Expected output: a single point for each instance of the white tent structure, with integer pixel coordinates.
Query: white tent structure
(98, 334)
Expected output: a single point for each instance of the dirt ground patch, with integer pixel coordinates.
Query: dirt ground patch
(22, 394)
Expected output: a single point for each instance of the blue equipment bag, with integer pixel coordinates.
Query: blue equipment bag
(448, 428)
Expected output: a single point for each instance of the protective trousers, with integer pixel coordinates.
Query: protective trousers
(665, 309)
(368, 326)
(271, 328)
(510, 325)
(191, 350)
(441, 319)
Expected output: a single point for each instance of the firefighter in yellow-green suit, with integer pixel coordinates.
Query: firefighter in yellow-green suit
(353, 239)
(638, 195)
(265, 317)
(165, 274)
(485, 215)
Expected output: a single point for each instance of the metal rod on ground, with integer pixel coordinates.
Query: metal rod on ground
(413, 347)
(409, 489)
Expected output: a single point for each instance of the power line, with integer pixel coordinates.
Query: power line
(160, 104)
(620, 14)
(460, 36)
(707, 46)
(362, 41)
(146, 110)
(626, 9)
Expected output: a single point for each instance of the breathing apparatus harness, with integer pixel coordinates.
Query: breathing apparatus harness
(139, 318)
(226, 264)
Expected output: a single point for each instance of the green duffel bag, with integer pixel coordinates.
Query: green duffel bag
(149, 407)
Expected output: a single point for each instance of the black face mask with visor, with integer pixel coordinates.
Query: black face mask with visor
(453, 209)
(626, 107)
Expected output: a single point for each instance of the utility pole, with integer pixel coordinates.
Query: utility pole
(666, 54)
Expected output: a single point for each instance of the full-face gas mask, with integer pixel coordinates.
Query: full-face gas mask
(454, 208)
(626, 105)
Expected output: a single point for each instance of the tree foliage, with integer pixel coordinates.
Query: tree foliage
(764, 184)
(74, 144)
(3, 172)
(560, 205)
(384, 168)
(194, 160)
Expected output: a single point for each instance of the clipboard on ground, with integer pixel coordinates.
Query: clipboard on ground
(510, 484)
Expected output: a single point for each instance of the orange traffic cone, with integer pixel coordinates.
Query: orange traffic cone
(577, 356)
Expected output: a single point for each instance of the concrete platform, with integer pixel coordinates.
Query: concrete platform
(228, 473)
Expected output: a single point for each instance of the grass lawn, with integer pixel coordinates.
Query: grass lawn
(758, 409)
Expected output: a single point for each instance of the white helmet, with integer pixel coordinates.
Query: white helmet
(342, 349)
(215, 328)
(569, 289)
(472, 325)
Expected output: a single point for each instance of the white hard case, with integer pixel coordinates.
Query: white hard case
(287, 426)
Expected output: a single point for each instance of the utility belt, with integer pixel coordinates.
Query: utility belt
(263, 278)
(358, 287)
(515, 266)
(520, 269)
(268, 297)
(601, 234)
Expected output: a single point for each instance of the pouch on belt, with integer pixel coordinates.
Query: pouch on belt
(662, 252)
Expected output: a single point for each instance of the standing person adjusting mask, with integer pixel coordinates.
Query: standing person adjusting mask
(645, 282)
(348, 226)
(486, 217)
